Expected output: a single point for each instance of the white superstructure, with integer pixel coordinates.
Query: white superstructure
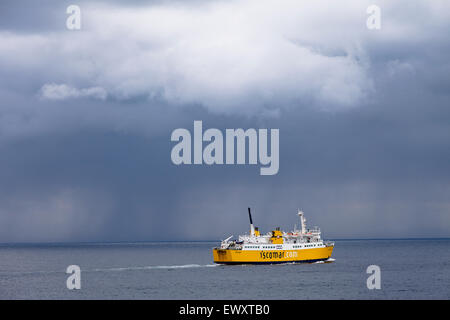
(302, 238)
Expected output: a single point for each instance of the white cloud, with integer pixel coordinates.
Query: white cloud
(241, 57)
(231, 57)
(228, 56)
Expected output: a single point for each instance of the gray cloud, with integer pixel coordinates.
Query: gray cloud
(171, 51)
(86, 117)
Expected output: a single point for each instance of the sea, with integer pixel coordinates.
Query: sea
(408, 269)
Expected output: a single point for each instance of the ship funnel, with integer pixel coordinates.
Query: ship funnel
(252, 228)
(250, 216)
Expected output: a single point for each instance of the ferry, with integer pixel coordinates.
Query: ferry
(298, 246)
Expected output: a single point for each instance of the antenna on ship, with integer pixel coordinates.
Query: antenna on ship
(302, 221)
(252, 228)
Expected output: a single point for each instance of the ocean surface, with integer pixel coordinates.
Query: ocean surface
(410, 269)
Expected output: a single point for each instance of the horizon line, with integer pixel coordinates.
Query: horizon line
(186, 240)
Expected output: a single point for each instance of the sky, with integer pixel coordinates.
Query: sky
(86, 118)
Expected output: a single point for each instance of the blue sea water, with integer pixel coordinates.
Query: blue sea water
(410, 269)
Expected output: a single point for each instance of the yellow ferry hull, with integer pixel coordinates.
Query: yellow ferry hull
(229, 256)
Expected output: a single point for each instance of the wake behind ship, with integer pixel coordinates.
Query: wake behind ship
(304, 245)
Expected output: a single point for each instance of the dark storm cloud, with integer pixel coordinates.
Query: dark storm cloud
(363, 142)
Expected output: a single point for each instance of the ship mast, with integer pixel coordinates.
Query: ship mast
(302, 221)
